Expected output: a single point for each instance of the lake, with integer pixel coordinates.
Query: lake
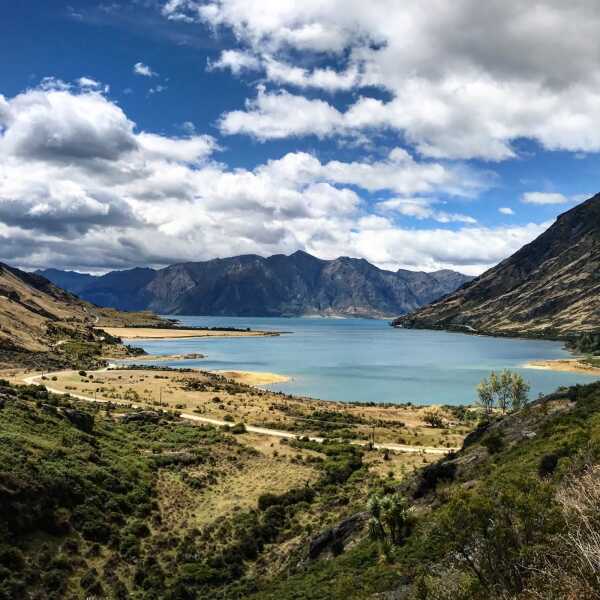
(362, 360)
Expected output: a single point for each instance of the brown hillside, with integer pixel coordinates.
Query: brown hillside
(551, 287)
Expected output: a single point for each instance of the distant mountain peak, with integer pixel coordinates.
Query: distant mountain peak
(250, 285)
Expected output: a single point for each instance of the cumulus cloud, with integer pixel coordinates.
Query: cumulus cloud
(505, 210)
(465, 78)
(81, 187)
(57, 125)
(144, 70)
(281, 115)
(236, 61)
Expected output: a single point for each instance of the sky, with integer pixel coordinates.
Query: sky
(418, 135)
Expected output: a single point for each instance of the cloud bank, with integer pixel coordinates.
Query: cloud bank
(82, 187)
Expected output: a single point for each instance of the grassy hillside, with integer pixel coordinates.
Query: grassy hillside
(42, 325)
(93, 505)
(98, 503)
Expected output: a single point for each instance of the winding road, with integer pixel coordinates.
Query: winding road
(36, 379)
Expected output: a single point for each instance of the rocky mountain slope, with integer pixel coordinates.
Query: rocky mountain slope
(250, 285)
(551, 287)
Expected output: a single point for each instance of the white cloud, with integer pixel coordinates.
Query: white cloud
(280, 115)
(465, 78)
(544, 198)
(80, 187)
(236, 61)
(421, 209)
(327, 79)
(505, 210)
(88, 82)
(143, 70)
(157, 89)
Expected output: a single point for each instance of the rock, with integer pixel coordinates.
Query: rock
(82, 420)
(144, 416)
(337, 536)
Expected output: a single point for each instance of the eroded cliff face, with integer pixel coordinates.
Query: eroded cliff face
(251, 285)
(551, 287)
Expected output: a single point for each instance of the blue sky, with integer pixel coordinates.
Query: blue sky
(422, 139)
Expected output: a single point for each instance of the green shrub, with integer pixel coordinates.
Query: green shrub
(494, 442)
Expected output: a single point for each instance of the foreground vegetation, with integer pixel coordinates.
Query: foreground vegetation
(95, 503)
(101, 501)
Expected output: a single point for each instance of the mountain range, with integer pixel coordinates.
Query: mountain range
(549, 288)
(250, 285)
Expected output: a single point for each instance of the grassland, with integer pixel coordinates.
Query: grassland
(212, 395)
(98, 500)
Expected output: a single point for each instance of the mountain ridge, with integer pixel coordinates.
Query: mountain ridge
(548, 288)
(251, 285)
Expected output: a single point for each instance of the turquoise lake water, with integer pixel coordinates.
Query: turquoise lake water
(362, 360)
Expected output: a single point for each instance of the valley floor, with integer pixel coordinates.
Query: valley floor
(219, 400)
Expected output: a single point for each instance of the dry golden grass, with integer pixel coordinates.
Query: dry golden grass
(571, 365)
(224, 399)
(234, 483)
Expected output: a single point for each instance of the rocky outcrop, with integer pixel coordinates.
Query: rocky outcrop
(335, 538)
(250, 285)
(549, 288)
(82, 420)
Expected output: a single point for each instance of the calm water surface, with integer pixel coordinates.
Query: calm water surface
(367, 360)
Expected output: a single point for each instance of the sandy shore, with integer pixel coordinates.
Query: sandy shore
(571, 365)
(254, 377)
(150, 333)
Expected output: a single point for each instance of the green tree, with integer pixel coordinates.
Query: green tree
(504, 392)
(485, 396)
(508, 391)
(390, 520)
(433, 419)
(519, 392)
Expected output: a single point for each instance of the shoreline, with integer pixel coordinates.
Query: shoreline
(565, 365)
(253, 378)
(160, 357)
(153, 333)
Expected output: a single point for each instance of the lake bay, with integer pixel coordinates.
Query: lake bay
(363, 360)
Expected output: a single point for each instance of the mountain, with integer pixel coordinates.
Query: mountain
(35, 314)
(250, 285)
(550, 288)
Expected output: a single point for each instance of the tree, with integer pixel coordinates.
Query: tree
(390, 520)
(519, 390)
(486, 396)
(509, 391)
(433, 419)
(504, 391)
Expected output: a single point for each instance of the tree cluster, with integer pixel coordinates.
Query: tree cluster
(507, 391)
